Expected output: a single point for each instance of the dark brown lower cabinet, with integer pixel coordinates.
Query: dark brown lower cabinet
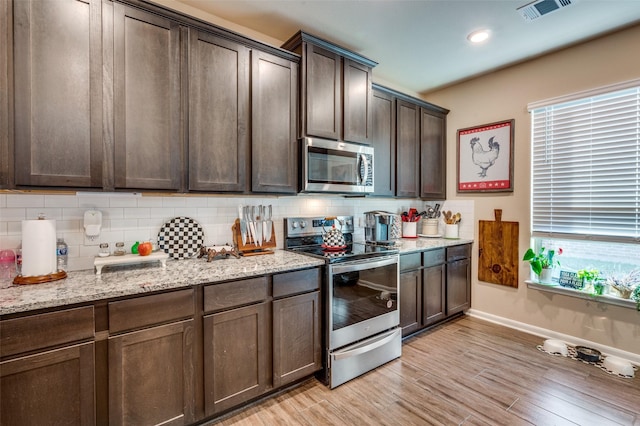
(410, 296)
(296, 338)
(236, 356)
(151, 376)
(49, 388)
(458, 286)
(434, 285)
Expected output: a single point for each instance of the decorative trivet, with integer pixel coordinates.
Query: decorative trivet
(181, 237)
(573, 354)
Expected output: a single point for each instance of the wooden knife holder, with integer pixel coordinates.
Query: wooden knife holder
(250, 248)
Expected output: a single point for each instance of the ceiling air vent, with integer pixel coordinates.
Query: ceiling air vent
(536, 9)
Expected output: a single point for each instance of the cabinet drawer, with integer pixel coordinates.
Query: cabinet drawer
(34, 332)
(150, 310)
(235, 293)
(296, 282)
(433, 257)
(410, 262)
(458, 252)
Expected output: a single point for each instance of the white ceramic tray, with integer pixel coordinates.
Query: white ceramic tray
(129, 259)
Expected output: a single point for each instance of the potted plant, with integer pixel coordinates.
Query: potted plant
(542, 262)
(625, 284)
(590, 280)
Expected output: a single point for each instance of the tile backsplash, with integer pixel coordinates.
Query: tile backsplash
(135, 217)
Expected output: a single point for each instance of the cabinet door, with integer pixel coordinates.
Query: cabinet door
(218, 114)
(407, 149)
(433, 296)
(357, 102)
(296, 338)
(458, 286)
(236, 357)
(58, 93)
(274, 111)
(147, 103)
(151, 376)
(410, 301)
(55, 387)
(383, 140)
(433, 155)
(322, 98)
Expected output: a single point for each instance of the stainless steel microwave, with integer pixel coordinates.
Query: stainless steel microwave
(335, 166)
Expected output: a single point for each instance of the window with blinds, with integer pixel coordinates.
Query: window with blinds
(586, 167)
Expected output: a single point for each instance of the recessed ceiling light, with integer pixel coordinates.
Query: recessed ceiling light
(478, 36)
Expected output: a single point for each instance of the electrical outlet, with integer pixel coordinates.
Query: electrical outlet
(91, 241)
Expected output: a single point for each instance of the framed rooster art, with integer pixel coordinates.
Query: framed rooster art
(485, 158)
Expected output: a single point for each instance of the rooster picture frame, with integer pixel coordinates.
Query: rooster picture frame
(485, 158)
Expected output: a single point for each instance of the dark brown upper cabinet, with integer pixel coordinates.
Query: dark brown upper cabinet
(218, 113)
(433, 154)
(274, 147)
(57, 93)
(407, 149)
(335, 90)
(383, 140)
(148, 141)
(409, 136)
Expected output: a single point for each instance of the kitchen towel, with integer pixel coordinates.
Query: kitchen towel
(38, 247)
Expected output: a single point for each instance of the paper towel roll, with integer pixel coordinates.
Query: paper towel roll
(38, 247)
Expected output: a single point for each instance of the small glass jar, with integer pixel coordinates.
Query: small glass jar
(104, 250)
(119, 251)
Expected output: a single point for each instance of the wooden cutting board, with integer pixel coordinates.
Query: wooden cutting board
(498, 257)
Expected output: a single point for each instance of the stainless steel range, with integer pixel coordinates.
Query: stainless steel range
(361, 313)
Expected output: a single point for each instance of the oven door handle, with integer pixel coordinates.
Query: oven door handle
(381, 341)
(359, 265)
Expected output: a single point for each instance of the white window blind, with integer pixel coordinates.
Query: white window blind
(586, 167)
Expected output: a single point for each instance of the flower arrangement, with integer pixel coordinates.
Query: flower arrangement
(544, 259)
(625, 284)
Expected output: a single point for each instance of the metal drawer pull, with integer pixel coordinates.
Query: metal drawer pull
(367, 348)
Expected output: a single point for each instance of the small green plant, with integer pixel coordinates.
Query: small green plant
(544, 259)
(636, 297)
(588, 274)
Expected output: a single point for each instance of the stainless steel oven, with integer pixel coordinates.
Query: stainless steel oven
(335, 166)
(360, 298)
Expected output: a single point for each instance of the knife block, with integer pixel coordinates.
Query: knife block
(251, 248)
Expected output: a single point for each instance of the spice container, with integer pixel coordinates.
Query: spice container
(104, 250)
(119, 251)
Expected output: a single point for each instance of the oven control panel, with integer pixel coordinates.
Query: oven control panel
(302, 226)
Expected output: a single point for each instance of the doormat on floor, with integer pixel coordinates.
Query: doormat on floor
(574, 355)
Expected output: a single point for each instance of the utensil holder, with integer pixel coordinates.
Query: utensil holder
(451, 231)
(430, 226)
(409, 229)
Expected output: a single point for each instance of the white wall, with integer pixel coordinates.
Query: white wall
(504, 95)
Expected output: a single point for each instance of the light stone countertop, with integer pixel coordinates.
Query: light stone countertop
(119, 281)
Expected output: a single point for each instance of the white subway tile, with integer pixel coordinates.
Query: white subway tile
(25, 200)
(196, 202)
(3, 201)
(173, 202)
(9, 214)
(163, 213)
(186, 211)
(127, 201)
(60, 201)
(49, 213)
(150, 202)
(93, 203)
(137, 213)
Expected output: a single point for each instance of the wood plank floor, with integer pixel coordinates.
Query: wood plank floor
(465, 372)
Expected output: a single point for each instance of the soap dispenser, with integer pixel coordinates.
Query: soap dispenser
(92, 224)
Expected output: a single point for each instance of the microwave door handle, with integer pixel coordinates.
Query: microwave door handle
(363, 176)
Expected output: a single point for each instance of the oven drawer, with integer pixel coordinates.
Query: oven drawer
(355, 360)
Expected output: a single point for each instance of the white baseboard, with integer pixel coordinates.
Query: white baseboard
(550, 334)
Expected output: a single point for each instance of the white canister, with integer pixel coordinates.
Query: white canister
(430, 226)
(451, 231)
(409, 229)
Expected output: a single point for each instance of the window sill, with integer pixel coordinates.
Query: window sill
(555, 288)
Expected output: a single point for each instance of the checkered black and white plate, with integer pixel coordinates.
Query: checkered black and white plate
(181, 237)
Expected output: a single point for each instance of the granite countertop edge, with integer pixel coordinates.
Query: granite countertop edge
(121, 281)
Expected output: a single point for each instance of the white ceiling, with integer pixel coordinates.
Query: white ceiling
(421, 45)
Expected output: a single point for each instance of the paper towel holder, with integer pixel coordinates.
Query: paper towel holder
(92, 224)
